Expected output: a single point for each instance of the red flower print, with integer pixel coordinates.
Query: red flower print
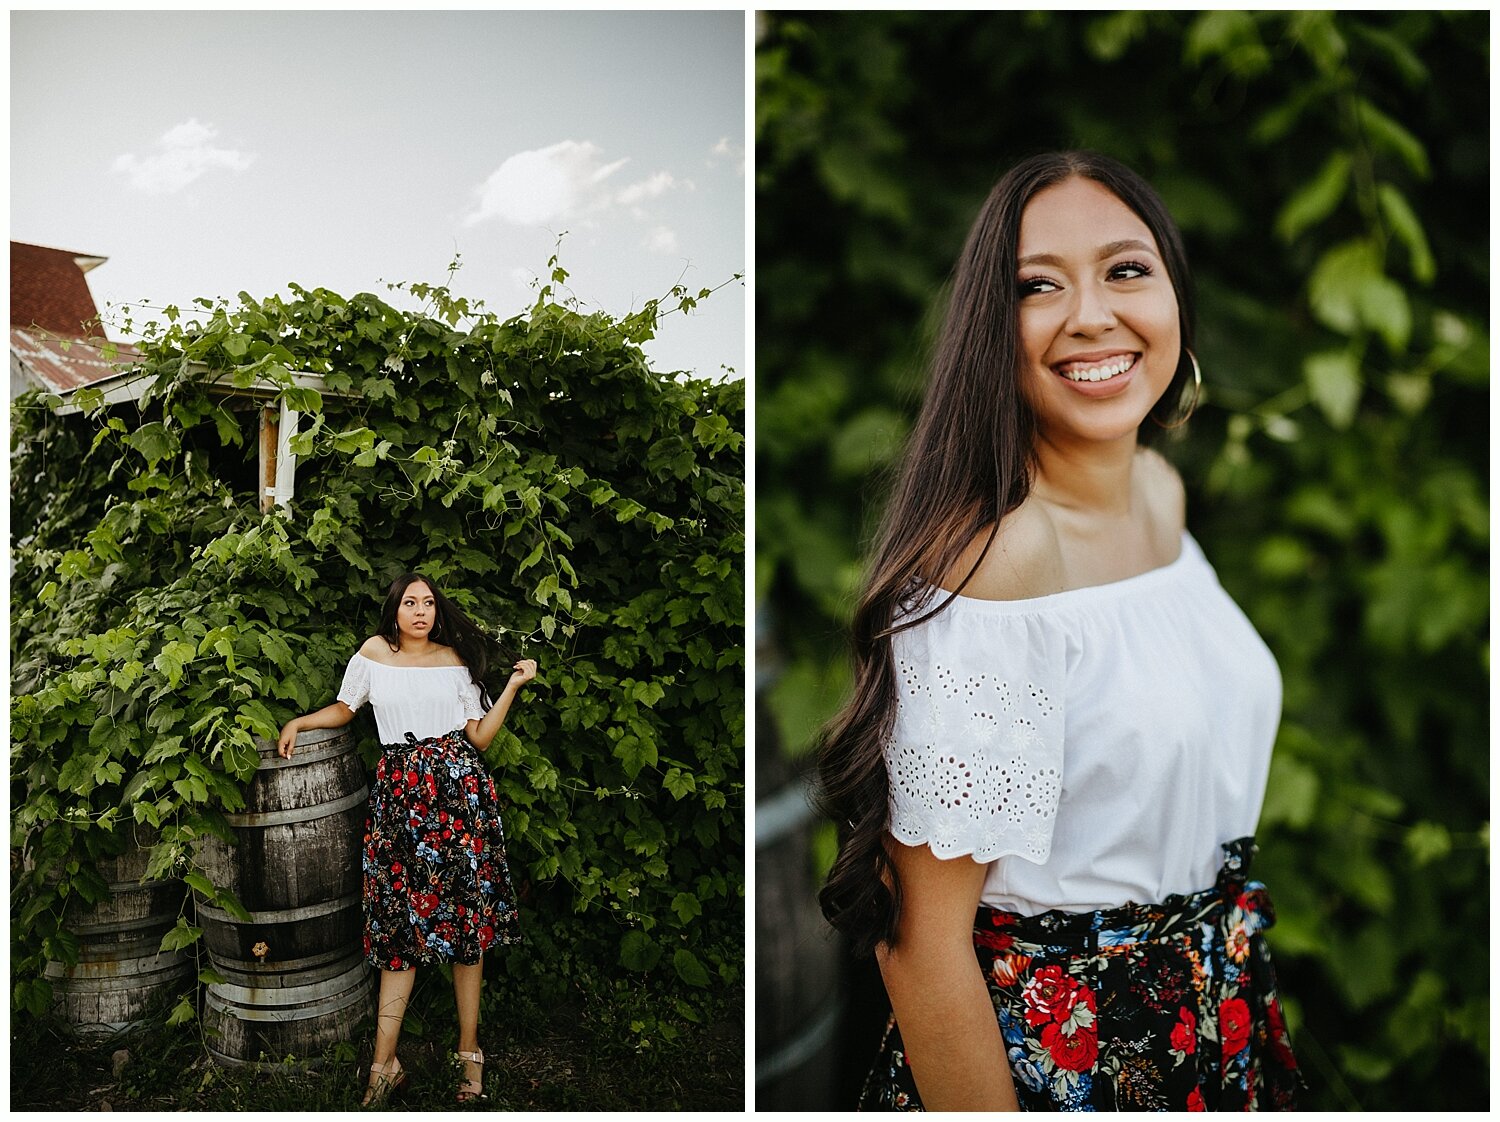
(477, 845)
(1080, 995)
(1234, 1026)
(425, 903)
(1072, 1053)
(411, 779)
(1185, 1033)
(994, 940)
(1049, 996)
(1279, 1046)
(396, 867)
(486, 936)
(1195, 1100)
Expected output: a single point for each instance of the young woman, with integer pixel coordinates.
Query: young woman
(1061, 726)
(436, 885)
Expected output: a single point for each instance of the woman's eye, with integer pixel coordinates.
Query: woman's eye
(1129, 270)
(1033, 286)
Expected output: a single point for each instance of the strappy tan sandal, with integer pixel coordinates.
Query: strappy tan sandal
(385, 1083)
(472, 1090)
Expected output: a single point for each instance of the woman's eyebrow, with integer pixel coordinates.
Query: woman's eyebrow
(1105, 251)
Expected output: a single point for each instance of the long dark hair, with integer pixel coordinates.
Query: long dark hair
(967, 465)
(450, 627)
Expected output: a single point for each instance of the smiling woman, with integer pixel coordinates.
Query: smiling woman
(1057, 746)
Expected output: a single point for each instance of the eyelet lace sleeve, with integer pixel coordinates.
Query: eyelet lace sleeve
(975, 759)
(355, 690)
(473, 703)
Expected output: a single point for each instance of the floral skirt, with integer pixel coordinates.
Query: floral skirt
(436, 885)
(1168, 1006)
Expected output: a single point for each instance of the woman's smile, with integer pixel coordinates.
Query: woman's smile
(1098, 377)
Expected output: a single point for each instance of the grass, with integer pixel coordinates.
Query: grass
(620, 1049)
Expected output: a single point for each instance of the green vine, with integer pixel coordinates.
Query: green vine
(586, 509)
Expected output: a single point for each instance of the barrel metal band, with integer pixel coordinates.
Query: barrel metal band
(801, 1048)
(285, 915)
(361, 991)
(299, 814)
(251, 973)
(326, 750)
(784, 812)
(119, 927)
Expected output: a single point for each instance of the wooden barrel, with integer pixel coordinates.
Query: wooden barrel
(798, 998)
(121, 971)
(254, 1020)
(295, 977)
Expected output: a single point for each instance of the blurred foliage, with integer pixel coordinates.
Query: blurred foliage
(1330, 175)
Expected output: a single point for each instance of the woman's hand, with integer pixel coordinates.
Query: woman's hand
(334, 716)
(525, 671)
(288, 741)
(482, 731)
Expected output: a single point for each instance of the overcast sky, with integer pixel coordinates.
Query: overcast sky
(209, 153)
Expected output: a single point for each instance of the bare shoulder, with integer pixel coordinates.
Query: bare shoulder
(376, 649)
(1165, 496)
(1024, 561)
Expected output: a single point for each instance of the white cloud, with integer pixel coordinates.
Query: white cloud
(184, 153)
(637, 193)
(662, 240)
(562, 182)
(724, 150)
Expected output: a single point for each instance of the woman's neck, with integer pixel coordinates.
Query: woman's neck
(1087, 478)
(414, 646)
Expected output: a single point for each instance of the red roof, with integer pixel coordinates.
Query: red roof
(62, 365)
(48, 290)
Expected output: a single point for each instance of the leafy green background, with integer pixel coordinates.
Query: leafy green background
(1330, 175)
(587, 509)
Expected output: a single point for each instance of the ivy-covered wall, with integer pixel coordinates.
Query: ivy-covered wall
(588, 510)
(1330, 173)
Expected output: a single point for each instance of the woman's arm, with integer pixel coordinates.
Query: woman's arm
(334, 716)
(482, 731)
(942, 1005)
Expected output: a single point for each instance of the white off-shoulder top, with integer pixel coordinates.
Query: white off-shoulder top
(1103, 741)
(422, 700)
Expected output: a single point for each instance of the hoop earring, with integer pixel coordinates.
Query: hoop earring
(1197, 390)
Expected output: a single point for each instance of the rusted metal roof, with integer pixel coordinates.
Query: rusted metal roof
(63, 364)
